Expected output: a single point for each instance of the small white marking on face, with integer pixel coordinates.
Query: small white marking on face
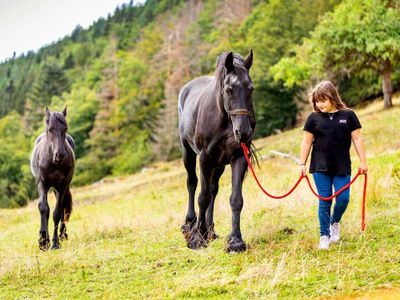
(234, 80)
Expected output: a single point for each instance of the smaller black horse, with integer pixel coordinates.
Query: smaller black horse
(52, 164)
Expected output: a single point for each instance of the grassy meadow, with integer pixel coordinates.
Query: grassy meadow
(125, 241)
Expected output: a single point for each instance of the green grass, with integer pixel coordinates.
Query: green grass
(125, 240)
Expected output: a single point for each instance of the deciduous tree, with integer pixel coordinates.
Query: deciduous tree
(357, 35)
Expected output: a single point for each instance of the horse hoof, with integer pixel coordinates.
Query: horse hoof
(196, 241)
(55, 247)
(44, 241)
(185, 228)
(63, 236)
(211, 236)
(235, 245)
(44, 244)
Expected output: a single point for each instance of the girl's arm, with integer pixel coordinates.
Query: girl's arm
(305, 150)
(359, 145)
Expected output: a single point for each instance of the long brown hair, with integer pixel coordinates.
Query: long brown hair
(326, 90)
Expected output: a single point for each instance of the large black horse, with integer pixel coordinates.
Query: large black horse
(52, 164)
(215, 115)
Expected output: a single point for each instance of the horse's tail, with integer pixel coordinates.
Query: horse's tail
(67, 205)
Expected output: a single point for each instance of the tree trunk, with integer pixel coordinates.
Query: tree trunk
(387, 84)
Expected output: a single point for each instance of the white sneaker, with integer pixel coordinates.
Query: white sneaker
(324, 242)
(335, 232)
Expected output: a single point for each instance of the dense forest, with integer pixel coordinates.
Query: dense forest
(120, 77)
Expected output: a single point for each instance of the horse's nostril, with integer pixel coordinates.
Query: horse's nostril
(60, 155)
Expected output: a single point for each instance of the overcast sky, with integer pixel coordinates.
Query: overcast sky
(30, 24)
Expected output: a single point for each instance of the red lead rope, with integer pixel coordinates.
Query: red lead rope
(246, 154)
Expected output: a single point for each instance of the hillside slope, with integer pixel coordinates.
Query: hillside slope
(120, 79)
(125, 240)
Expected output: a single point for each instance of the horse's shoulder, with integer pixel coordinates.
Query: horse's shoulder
(190, 88)
(198, 81)
(203, 79)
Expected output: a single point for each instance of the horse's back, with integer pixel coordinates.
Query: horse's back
(190, 98)
(193, 91)
(71, 141)
(39, 138)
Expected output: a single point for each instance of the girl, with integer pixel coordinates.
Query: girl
(330, 130)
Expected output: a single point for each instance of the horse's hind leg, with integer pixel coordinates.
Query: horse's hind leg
(198, 235)
(211, 235)
(56, 218)
(43, 206)
(65, 213)
(189, 160)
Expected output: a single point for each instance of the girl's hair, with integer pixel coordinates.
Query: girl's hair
(326, 90)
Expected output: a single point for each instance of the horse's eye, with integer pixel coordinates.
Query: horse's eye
(228, 90)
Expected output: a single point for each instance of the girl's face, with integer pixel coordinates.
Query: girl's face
(325, 105)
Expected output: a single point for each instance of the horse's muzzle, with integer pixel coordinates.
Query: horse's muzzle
(59, 158)
(243, 137)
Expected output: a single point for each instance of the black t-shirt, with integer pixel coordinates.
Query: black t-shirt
(332, 141)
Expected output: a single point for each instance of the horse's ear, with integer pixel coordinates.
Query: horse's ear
(64, 112)
(47, 114)
(229, 62)
(249, 60)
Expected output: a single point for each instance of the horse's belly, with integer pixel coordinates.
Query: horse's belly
(188, 133)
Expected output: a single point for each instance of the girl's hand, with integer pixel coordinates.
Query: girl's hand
(363, 167)
(303, 170)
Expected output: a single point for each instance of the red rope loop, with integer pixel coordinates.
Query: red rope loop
(246, 154)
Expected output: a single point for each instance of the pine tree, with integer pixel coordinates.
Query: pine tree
(51, 82)
(9, 99)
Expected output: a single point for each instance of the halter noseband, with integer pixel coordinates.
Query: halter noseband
(239, 112)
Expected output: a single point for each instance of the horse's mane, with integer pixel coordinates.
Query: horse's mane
(220, 74)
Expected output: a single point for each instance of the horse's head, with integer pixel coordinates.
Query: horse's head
(235, 94)
(56, 130)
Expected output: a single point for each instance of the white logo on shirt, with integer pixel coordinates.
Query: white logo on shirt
(342, 121)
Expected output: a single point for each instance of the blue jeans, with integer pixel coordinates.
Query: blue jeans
(324, 183)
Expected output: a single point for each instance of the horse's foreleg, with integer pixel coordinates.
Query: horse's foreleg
(199, 233)
(211, 235)
(43, 206)
(189, 160)
(57, 217)
(235, 241)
